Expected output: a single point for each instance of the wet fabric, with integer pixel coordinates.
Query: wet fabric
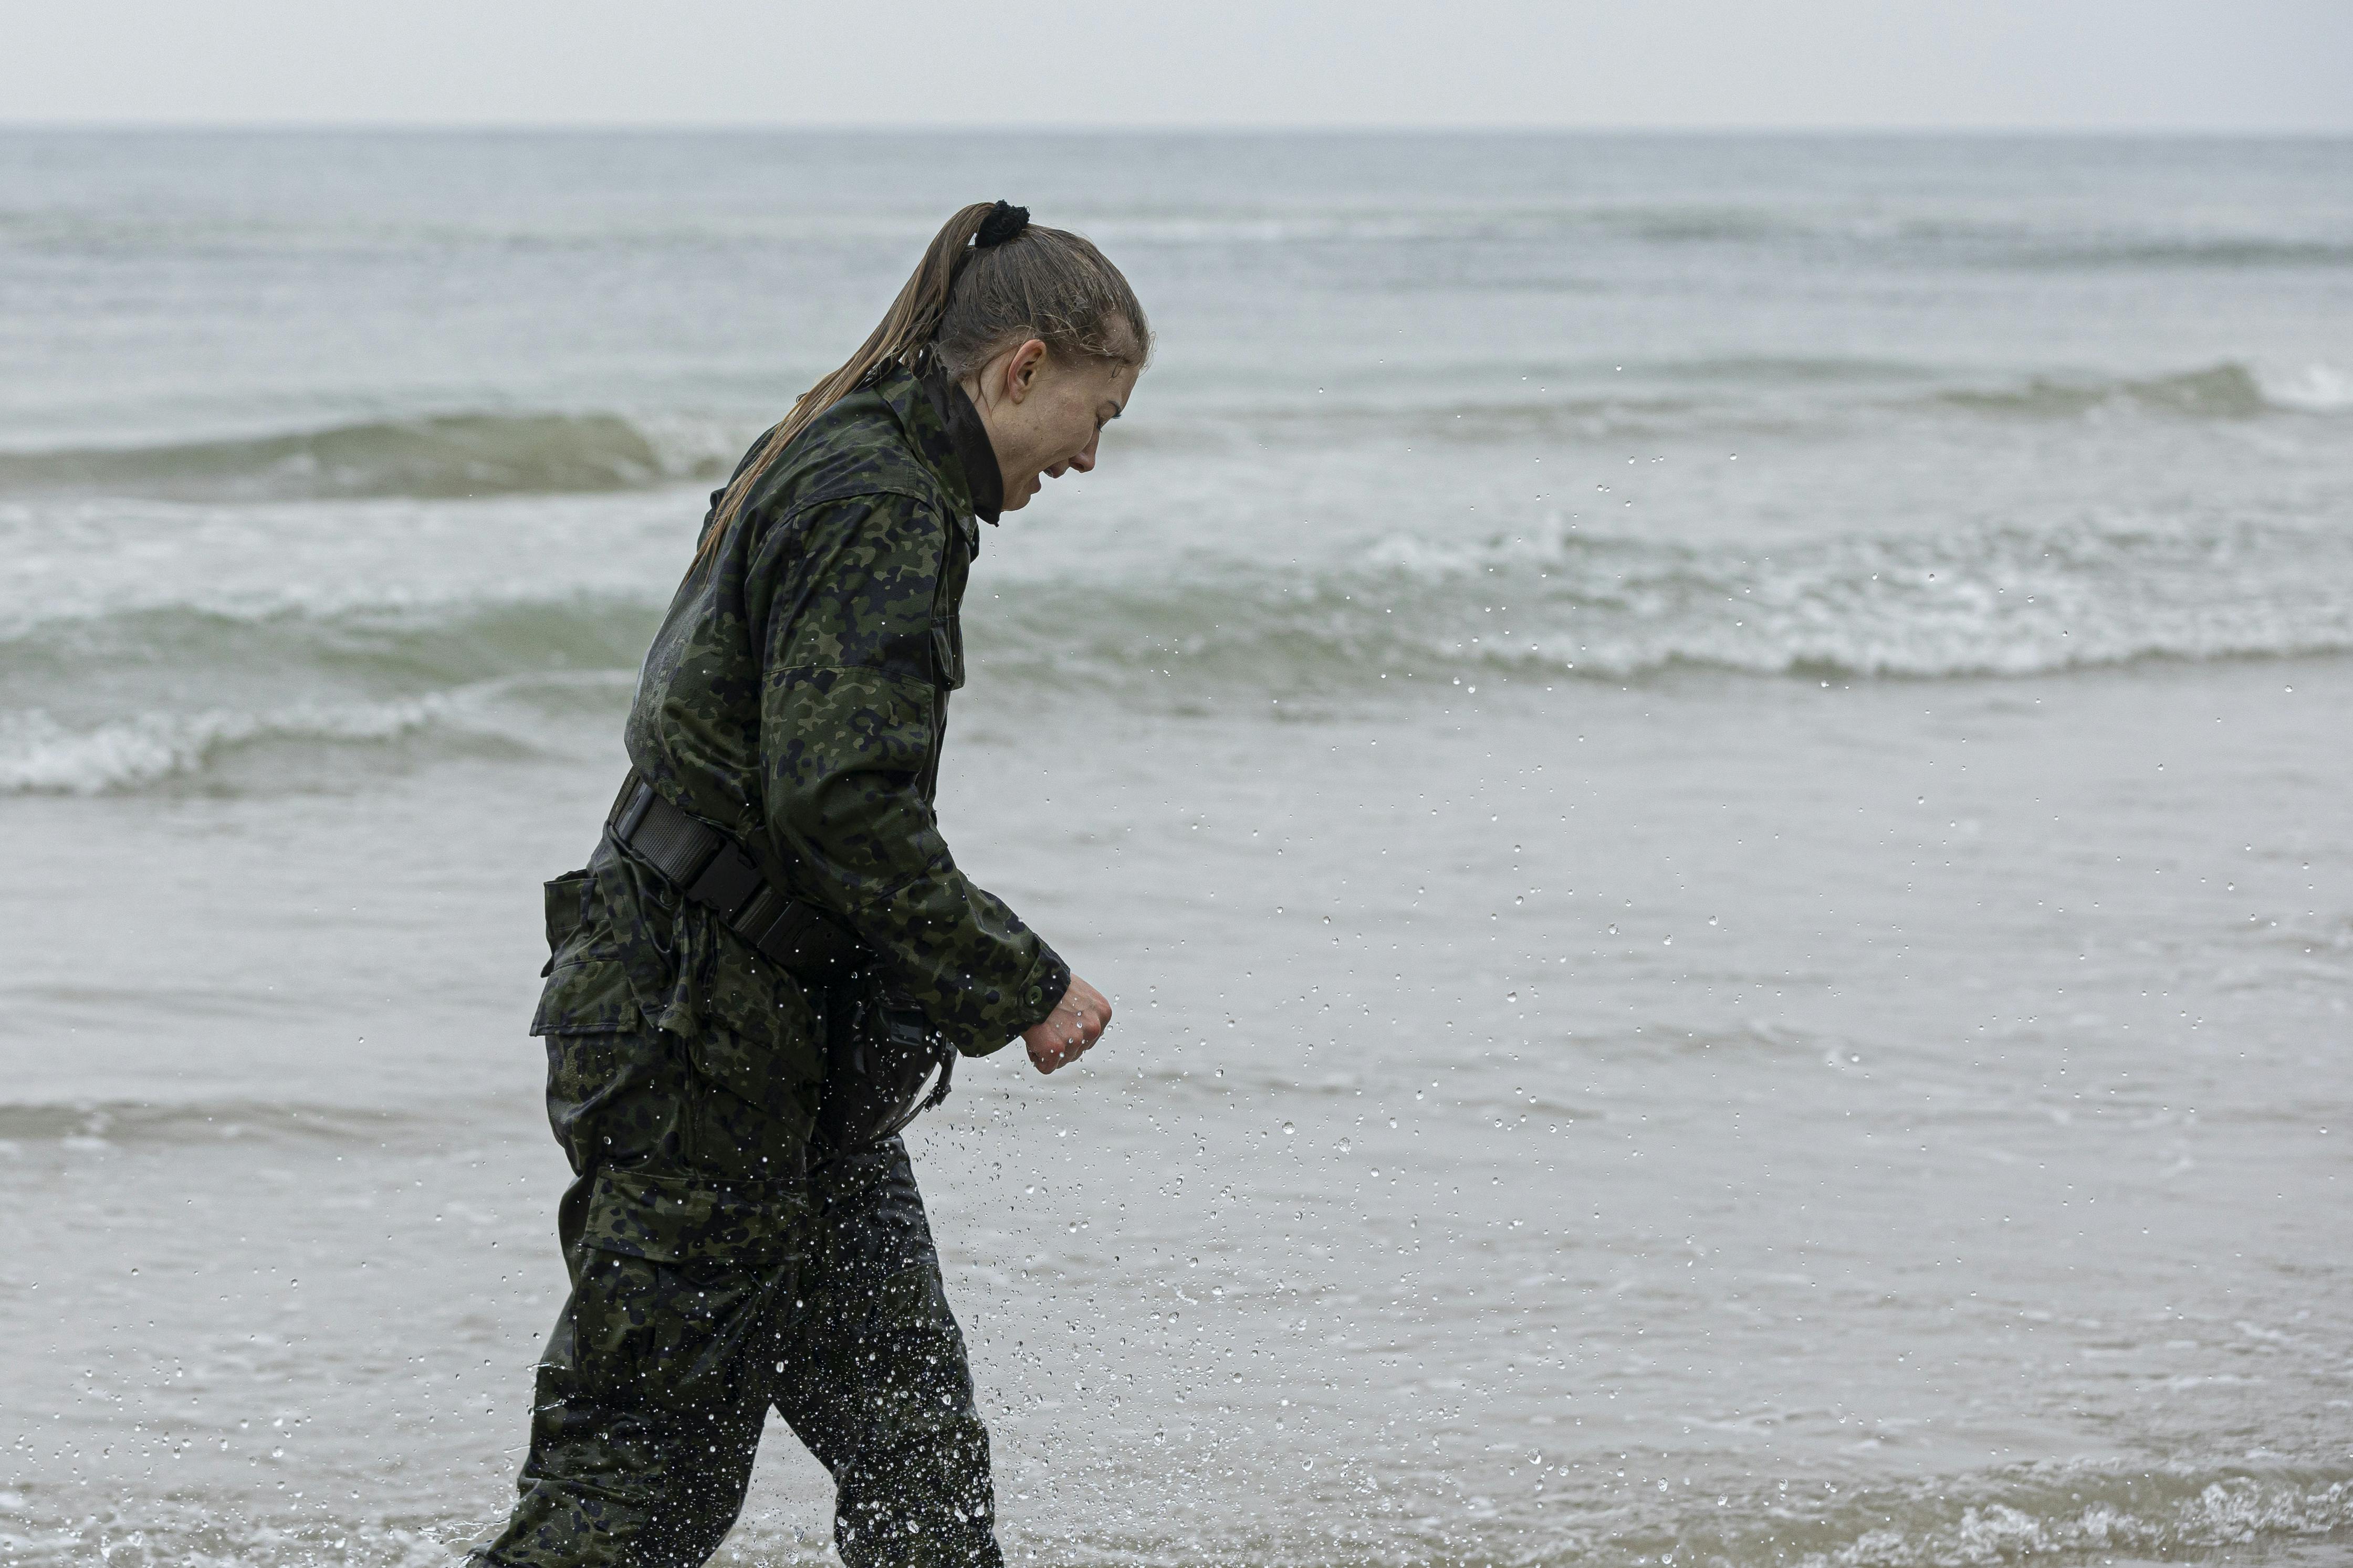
(796, 698)
(968, 440)
(702, 1300)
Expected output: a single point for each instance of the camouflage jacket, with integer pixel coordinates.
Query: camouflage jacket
(796, 698)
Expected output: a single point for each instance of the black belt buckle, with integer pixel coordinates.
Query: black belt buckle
(727, 883)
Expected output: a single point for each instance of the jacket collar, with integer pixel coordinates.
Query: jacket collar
(946, 432)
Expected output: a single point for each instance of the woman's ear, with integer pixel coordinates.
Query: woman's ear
(1022, 369)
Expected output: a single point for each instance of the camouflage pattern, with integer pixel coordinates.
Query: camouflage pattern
(715, 1274)
(696, 1306)
(751, 1038)
(796, 698)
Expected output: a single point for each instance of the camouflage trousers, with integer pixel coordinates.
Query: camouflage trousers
(695, 1310)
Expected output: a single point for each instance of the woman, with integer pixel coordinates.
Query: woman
(750, 979)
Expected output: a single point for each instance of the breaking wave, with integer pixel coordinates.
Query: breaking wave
(38, 755)
(440, 455)
(1407, 615)
(2056, 1514)
(454, 455)
(2225, 391)
(473, 677)
(2061, 1512)
(1556, 604)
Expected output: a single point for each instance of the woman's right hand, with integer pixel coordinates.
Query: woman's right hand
(1077, 1022)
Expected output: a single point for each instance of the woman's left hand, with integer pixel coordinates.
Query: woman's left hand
(1076, 1023)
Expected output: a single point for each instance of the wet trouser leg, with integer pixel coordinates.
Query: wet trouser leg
(644, 1424)
(650, 1398)
(873, 1376)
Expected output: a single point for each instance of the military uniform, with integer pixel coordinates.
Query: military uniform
(794, 698)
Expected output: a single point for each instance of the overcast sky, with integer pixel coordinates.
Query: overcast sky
(2225, 65)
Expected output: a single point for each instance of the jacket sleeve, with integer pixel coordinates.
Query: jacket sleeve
(850, 724)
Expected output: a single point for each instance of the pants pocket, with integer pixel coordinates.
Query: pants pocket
(677, 1277)
(565, 901)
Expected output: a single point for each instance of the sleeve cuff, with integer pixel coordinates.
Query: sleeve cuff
(1041, 989)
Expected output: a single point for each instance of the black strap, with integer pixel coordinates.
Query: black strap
(711, 868)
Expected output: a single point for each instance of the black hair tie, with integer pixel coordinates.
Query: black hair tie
(1004, 221)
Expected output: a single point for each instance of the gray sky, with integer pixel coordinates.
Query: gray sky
(2233, 65)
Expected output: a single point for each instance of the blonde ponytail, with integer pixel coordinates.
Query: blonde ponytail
(964, 304)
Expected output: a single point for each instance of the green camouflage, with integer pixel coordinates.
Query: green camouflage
(751, 1035)
(698, 1305)
(795, 697)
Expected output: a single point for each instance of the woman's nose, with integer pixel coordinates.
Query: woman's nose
(1085, 461)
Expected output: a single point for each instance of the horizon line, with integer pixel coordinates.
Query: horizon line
(1271, 128)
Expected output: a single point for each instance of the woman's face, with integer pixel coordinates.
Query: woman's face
(1044, 412)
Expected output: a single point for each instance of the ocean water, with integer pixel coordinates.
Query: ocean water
(1709, 773)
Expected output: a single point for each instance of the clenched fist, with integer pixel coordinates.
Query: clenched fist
(1077, 1022)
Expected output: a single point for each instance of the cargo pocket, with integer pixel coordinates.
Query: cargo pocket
(567, 904)
(604, 1068)
(679, 1275)
(588, 996)
(758, 1065)
(668, 1218)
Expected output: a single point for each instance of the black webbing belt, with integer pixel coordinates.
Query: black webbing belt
(711, 868)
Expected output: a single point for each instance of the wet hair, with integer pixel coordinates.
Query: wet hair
(988, 281)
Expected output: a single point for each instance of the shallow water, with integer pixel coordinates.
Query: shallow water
(1708, 774)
